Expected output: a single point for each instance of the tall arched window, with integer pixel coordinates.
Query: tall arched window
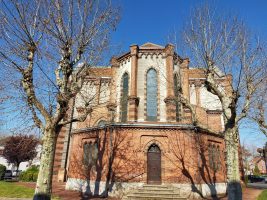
(177, 88)
(152, 95)
(124, 97)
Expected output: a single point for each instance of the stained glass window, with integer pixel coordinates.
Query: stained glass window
(124, 97)
(152, 95)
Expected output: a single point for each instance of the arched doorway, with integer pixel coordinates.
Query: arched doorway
(154, 165)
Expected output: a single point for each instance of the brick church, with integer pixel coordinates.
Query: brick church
(139, 133)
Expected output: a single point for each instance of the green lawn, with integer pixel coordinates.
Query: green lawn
(263, 195)
(12, 190)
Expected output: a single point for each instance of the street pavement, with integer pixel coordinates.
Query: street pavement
(258, 185)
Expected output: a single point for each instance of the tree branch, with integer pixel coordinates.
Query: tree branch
(82, 118)
(195, 120)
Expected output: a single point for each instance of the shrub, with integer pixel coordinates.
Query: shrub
(2, 171)
(30, 175)
(246, 180)
(256, 171)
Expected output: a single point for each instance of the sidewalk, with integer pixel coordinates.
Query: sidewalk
(251, 193)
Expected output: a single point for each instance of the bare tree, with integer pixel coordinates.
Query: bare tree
(260, 106)
(225, 49)
(246, 155)
(46, 48)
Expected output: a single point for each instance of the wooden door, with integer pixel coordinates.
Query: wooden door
(154, 165)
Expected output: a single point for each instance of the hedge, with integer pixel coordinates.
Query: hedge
(2, 171)
(30, 175)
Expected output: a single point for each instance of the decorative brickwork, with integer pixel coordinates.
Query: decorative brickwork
(133, 104)
(171, 108)
(133, 99)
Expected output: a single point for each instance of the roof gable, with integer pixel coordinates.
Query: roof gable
(150, 45)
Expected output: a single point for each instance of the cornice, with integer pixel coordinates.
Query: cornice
(160, 127)
(214, 112)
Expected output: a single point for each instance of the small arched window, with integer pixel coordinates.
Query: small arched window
(177, 89)
(152, 95)
(124, 97)
(154, 148)
(101, 123)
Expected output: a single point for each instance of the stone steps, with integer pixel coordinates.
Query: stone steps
(155, 192)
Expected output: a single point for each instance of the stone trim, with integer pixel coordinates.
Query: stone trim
(100, 119)
(144, 126)
(146, 54)
(153, 141)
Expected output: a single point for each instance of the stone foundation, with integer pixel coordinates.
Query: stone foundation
(122, 189)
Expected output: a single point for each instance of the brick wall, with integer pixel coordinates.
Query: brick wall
(184, 155)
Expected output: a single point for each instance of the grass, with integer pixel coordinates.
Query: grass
(263, 195)
(13, 190)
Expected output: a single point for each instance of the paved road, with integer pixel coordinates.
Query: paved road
(259, 185)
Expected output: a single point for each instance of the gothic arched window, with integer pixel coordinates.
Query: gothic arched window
(154, 148)
(124, 97)
(177, 88)
(101, 123)
(152, 95)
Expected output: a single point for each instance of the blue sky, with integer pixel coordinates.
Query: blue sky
(155, 20)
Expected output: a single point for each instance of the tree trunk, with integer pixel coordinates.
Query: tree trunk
(44, 182)
(234, 189)
(17, 170)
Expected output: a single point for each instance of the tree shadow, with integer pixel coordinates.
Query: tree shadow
(196, 172)
(101, 176)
